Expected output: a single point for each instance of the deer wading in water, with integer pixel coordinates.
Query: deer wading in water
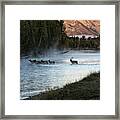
(73, 61)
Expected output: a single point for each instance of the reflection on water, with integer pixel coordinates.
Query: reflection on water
(35, 78)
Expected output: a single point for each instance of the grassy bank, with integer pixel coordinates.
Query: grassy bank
(86, 89)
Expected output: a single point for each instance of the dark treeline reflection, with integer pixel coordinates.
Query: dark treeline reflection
(37, 36)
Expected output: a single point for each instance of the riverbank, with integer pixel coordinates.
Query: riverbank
(86, 89)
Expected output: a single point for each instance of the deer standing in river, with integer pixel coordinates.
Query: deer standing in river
(73, 61)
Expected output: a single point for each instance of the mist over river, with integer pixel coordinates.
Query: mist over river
(35, 78)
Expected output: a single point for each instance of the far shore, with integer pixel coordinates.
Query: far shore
(86, 89)
(52, 50)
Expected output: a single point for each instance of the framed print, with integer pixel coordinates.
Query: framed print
(60, 60)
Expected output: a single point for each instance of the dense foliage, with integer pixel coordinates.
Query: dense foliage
(41, 35)
(37, 35)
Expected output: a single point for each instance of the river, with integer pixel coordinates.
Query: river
(35, 78)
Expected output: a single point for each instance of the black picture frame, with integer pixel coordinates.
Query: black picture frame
(2, 56)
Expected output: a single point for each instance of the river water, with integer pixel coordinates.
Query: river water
(35, 78)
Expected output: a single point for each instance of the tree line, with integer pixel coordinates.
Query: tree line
(41, 35)
(82, 43)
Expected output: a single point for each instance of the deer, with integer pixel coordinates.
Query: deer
(51, 62)
(32, 61)
(73, 61)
